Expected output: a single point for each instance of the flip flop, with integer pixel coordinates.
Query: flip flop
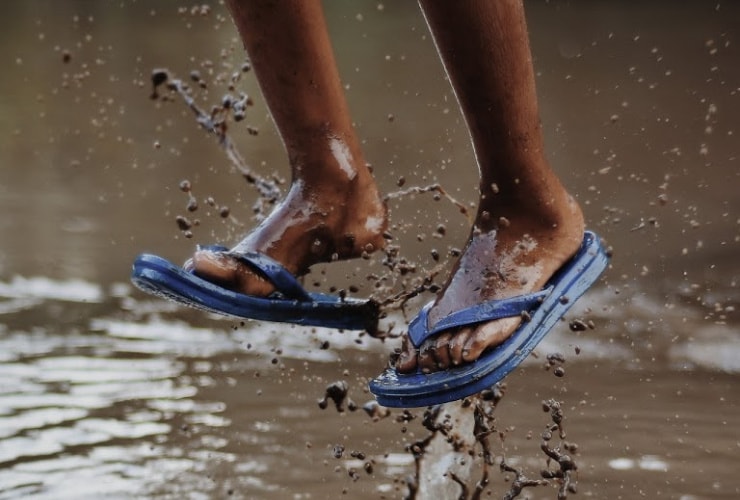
(545, 308)
(290, 303)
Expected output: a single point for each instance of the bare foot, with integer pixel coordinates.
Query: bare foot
(308, 227)
(516, 258)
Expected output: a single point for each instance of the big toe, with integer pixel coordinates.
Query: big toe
(487, 336)
(224, 270)
(215, 267)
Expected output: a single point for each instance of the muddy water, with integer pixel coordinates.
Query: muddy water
(106, 392)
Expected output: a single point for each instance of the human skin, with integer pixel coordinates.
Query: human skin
(333, 209)
(526, 225)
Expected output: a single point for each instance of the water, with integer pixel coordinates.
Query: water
(107, 392)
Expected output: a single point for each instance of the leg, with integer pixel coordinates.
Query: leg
(333, 209)
(527, 225)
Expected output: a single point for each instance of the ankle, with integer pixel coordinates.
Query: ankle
(547, 211)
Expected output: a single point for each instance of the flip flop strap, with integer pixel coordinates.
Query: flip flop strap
(272, 270)
(285, 283)
(480, 313)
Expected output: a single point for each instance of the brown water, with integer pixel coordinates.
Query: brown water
(106, 392)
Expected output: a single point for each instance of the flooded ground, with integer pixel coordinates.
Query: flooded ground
(108, 393)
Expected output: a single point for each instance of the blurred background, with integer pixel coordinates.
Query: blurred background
(106, 391)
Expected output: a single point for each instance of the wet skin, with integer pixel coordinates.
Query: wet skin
(495, 264)
(527, 225)
(333, 209)
(305, 229)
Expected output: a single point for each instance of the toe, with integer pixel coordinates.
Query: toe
(488, 335)
(427, 361)
(406, 362)
(457, 345)
(214, 267)
(441, 351)
(226, 271)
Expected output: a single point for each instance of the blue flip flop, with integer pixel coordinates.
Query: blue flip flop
(544, 309)
(290, 303)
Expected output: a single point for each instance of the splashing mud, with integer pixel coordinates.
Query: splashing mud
(216, 122)
(109, 394)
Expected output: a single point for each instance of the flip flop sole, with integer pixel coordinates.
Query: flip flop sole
(393, 389)
(158, 276)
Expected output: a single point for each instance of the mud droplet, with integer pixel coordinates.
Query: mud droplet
(185, 186)
(375, 411)
(337, 393)
(224, 212)
(159, 76)
(183, 223)
(338, 451)
(577, 325)
(555, 358)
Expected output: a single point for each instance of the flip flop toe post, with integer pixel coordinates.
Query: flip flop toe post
(544, 308)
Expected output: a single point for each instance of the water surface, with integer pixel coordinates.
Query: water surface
(107, 392)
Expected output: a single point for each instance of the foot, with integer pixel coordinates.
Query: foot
(510, 258)
(308, 227)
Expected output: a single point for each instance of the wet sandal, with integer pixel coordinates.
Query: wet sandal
(290, 303)
(542, 310)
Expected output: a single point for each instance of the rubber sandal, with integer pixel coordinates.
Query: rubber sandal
(290, 303)
(542, 310)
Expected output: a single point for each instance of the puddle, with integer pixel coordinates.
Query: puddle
(108, 393)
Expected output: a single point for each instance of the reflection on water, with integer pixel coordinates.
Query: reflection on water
(107, 393)
(134, 401)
